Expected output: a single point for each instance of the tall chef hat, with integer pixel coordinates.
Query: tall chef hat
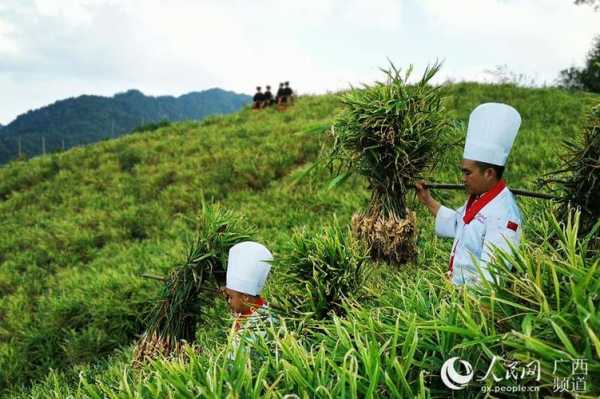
(491, 133)
(248, 267)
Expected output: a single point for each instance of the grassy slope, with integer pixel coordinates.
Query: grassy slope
(79, 227)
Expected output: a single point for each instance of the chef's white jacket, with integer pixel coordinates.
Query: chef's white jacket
(494, 226)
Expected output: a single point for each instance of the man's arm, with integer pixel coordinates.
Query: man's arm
(425, 197)
(445, 218)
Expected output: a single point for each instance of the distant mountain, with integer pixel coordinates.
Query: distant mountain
(88, 119)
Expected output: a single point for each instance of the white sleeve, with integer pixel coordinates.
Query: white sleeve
(445, 222)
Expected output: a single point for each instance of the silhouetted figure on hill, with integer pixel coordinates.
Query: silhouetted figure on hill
(258, 99)
(288, 93)
(279, 95)
(267, 97)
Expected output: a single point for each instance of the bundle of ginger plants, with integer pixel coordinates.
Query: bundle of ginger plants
(390, 133)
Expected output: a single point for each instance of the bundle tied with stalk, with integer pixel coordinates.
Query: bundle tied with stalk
(578, 180)
(190, 287)
(390, 133)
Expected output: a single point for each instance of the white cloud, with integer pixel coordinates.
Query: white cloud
(50, 49)
(537, 37)
(6, 46)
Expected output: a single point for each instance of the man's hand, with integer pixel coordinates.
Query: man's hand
(425, 197)
(423, 192)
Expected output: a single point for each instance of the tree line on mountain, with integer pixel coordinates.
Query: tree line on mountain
(88, 119)
(585, 78)
(588, 77)
(593, 3)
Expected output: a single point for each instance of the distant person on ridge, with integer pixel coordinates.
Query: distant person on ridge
(267, 97)
(288, 93)
(258, 99)
(490, 218)
(279, 95)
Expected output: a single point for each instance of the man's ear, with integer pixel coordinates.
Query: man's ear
(490, 174)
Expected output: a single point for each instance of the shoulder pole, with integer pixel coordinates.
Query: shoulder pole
(515, 191)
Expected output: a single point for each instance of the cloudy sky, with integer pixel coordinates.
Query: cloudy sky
(53, 49)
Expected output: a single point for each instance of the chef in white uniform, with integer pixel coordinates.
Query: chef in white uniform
(490, 218)
(248, 267)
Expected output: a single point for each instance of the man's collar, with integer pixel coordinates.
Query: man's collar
(474, 205)
(260, 302)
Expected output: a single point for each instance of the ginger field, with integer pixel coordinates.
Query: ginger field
(79, 228)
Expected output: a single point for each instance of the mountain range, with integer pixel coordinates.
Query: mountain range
(89, 118)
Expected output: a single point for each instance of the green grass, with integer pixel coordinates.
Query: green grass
(78, 228)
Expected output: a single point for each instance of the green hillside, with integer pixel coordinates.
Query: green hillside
(79, 227)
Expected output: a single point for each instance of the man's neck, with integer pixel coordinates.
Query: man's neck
(492, 184)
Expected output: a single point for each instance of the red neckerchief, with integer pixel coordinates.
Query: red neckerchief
(248, 312)
(474, 205)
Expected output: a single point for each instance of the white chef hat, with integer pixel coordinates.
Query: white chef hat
(248, 267)
(491, 133)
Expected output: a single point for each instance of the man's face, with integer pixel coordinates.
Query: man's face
(476, 181)
(238, 302)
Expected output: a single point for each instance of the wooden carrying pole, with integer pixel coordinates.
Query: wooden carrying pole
(515, 191)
